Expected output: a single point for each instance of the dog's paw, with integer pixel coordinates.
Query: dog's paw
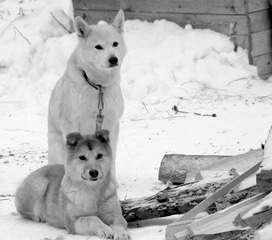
(120, 233)
(104, 232)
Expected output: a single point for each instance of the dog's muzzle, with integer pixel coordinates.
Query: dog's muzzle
(113, 61)
(93, 175)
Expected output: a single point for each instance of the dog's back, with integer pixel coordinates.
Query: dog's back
(31, 197)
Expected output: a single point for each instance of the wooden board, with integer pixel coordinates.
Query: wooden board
(232, 235)
(176, 6)
(257, 220)
(257, 43)
(263, 63)
(222, 221)
(175, 167)
(265, 76)
(241, 162)
(226, 24)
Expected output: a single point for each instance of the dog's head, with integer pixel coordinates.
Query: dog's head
(89, 157)
(101, 47)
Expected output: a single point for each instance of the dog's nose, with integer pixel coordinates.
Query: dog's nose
(113, 61)
(93, 173)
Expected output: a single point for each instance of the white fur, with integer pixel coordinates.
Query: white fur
(69, 196)
(74, 103)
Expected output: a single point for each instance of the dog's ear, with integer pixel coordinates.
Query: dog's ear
(81, 27)
(119, 21)
(102, 136)
(72, 139)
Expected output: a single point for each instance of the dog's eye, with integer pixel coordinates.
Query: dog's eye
(99, 155)
(83, 158)
(115, 44)
(98, 47)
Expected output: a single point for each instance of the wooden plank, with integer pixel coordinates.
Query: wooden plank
(257, 5)
(175, 167)
(255, 221)
(210, 176)
(259, 21)
(240, 162)
(173, 228)
(222, 221)
(225, 24)
(261, 42)
(232, 235)
(173, 6)
(207, 202)
(264, 64)
(265, 76)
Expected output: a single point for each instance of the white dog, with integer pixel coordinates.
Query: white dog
(89, 92)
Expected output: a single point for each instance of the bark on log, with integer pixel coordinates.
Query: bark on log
(181, 199)
(232, 235)
(170, 201)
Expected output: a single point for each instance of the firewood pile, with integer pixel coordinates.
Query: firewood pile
(232, 191)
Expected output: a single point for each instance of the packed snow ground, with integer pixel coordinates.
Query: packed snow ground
(195, 70)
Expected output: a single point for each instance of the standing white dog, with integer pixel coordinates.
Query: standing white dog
(89, 92)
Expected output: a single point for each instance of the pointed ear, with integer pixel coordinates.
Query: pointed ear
(102, 136)
(119, 21)
(72, 139)
(81, 27)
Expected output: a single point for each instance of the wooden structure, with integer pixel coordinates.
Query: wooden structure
(247, 22)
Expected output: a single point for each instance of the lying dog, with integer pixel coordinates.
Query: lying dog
(78, 196)
(75, 100)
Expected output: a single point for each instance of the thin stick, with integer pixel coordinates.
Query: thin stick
(155, 118)
(60, 23)
(17, 30)
(145, 107)
(175, 108)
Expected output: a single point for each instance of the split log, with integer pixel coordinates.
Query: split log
(170, 201)
(231, 235)
(223, 220)
(257, 215)
(175, 167)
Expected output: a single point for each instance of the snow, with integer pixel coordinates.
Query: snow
(267, 159)
(166, 65)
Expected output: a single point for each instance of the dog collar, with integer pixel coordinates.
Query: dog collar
(95, 86)
(99, 116)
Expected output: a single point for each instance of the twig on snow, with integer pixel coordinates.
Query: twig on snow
(60, 22)
(175, 108)
(145, 107)
(17, 30)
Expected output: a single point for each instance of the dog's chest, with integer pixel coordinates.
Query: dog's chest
(88, 104)
(80, 202)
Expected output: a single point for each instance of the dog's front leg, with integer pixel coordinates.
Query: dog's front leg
(90, 226)
(119, 231)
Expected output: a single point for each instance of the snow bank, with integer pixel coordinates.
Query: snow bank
(267, 158)
(165, 63)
